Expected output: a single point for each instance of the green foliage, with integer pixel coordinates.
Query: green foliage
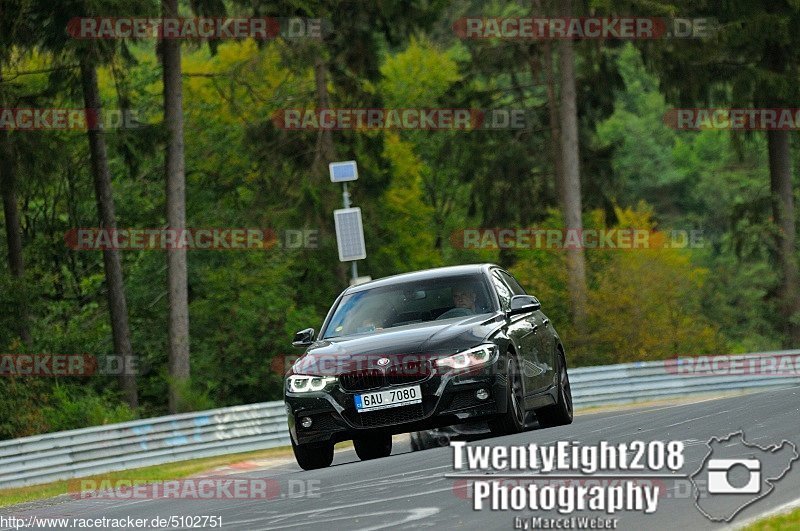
(20, 409)
(417, 77)
(32, 405)
(644, 304)
(643, 164)
(408, 223)
(243, 316)
(711, 179)
(70, 408)
(417, 190)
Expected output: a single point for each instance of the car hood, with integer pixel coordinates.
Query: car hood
(428, 340)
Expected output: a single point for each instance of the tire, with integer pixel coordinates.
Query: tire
(560, 413)
(313, 456)
(422, 440)
(416, 445)
(373, 447)
(513, 420)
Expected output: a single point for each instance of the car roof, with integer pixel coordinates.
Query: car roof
(426, 274)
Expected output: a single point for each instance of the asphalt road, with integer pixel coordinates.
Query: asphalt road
(409, 490)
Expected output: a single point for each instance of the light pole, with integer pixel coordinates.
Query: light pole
(346, 204)
(349, 228)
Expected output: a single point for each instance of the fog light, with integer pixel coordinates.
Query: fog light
(305, 422)
(481, 394)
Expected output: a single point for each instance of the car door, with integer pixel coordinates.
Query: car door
(540, 366)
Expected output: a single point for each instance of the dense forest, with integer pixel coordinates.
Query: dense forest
(200, 143)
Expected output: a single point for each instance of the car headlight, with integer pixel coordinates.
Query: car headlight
(474, 357)
(306, 384)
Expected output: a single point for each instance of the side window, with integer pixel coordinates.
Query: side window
(502, 291)
(516, 289)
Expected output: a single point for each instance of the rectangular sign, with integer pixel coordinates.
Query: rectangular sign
(349, 234)
(343, 171)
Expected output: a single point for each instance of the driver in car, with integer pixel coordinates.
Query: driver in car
(464, 297)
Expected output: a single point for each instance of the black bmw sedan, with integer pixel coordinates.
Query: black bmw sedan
(424, 350)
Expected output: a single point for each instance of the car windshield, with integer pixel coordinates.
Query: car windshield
(407, 303)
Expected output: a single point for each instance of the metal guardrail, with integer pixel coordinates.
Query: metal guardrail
(101, 449)
(651, 380)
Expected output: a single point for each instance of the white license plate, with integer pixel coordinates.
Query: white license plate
(389, 398)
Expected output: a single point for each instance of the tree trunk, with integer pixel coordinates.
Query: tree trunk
(8, 188)
(176, 215)
(780, 172)
(570, 190)
(552, 104)
(323, 152)
(117, 304)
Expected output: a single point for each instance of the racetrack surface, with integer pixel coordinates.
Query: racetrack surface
(408, 490)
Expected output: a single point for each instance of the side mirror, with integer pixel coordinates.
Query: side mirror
(303, 338)
(524, 304)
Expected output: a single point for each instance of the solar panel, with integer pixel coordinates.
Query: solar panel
(343, 171)
(349, 234)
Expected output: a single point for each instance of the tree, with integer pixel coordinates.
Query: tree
(570, 184)
(42, 17)
(8, 188)
(782, 193)
(750, 59)
(323, 150)
(115, 286)
(544, 60)
(177, 277)
(8, 177)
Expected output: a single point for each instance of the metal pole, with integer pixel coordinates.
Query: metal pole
(345, 195)
(346, 202)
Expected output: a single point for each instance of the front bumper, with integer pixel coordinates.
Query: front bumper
(447, 399)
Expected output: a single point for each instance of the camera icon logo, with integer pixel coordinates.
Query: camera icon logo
(735, 474)
(719, 471)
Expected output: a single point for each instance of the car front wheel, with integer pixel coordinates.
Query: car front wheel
(513, 420)
(373, 447)
(313, 456)
(559, 413)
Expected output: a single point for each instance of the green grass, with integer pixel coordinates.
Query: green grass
(777, 523)
(176, 470)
